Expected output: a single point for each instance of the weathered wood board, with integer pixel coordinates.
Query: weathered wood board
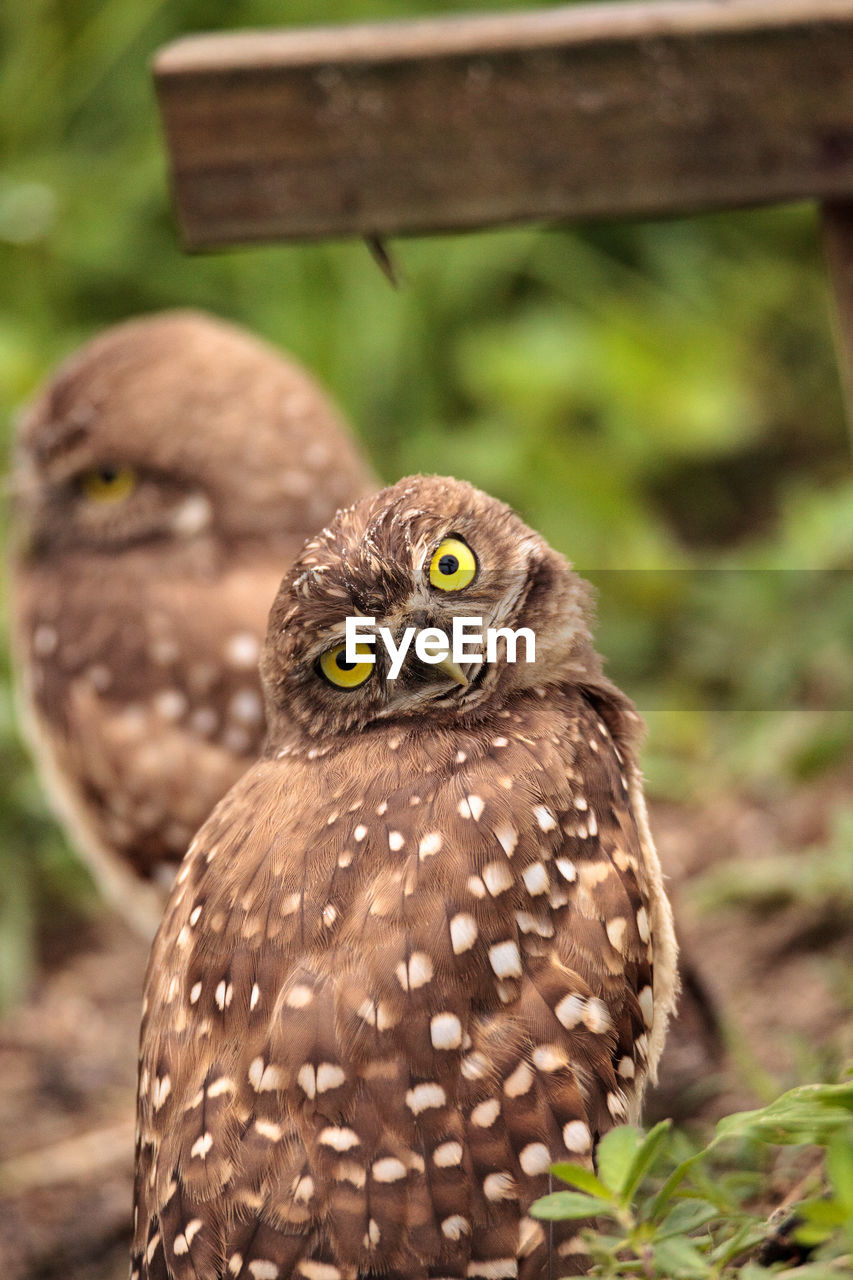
(607, 110)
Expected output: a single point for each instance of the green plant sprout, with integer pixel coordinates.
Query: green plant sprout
(662, 1214)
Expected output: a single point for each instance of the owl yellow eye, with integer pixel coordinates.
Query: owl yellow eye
(342, 674)
(453, 566)
(108, 484)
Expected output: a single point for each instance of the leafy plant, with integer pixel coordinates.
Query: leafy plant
(666, 1212)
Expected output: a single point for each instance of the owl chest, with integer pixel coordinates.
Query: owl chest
(454, 847)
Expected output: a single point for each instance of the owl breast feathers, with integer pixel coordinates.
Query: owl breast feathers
(422, 950)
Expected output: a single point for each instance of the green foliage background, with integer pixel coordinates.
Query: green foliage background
(661, 400)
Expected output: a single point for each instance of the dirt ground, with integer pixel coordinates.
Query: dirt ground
(767, 1001)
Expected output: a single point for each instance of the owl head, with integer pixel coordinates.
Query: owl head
(178, 427)
(413, 558)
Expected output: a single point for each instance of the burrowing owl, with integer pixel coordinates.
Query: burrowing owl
(164, 476)
(422, 949)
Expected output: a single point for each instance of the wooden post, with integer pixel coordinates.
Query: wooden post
(608, 110)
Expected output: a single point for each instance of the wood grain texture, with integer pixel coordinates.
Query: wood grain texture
(608, 110)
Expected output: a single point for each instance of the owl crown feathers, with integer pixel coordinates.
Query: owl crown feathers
(419, 554)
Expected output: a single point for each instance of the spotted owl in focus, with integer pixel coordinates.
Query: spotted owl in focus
(422, 949)
(164, 478)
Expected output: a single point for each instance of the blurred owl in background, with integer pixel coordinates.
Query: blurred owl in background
(422, 949)
(163, 478)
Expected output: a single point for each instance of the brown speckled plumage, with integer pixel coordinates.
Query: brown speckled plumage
(138, 622)
(420, 951)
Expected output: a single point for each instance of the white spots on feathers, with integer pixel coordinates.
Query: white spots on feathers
(577, 1137)
(223, 995)
(534, 1158)
(424, 1097)
(589, 1010)
(430, 845)
(499, 1186)
(417, 973)
(647, 1005)
(221, 1087)
(245, 707)
(471, 807)
(497, 878)
(311, 1269)
(328, 1075)
(268, 1129)
(100, 677)
(303, 1188)
(493, 1268)
(505, 959)
(160, 1091)
(530, 1236)
(475, 1066)
(463, 933)
(263, 1077)
(549, 1057)
(486, 1113)
(242, 651)
(388, 1169)
(448, 1155)
(184, 1240)
(544, 817)
(201, 1147)
(261, 1269)
(381, 1015)
(170, 704)
(542, 926)
(536, 878)
(349, 1171)
(455, 1226)
(445, 1031)
(507, 837)
(615, 929)
(299, 996)
(339, 1138)
(45, 641)
(517, 1084)
(617, 1106)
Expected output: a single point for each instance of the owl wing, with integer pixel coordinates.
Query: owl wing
(144, 714)
(363, 1054)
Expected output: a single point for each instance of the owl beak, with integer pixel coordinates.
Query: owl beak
(452, 669)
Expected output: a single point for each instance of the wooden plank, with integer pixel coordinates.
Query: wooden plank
(612, 110)
(838, 247)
